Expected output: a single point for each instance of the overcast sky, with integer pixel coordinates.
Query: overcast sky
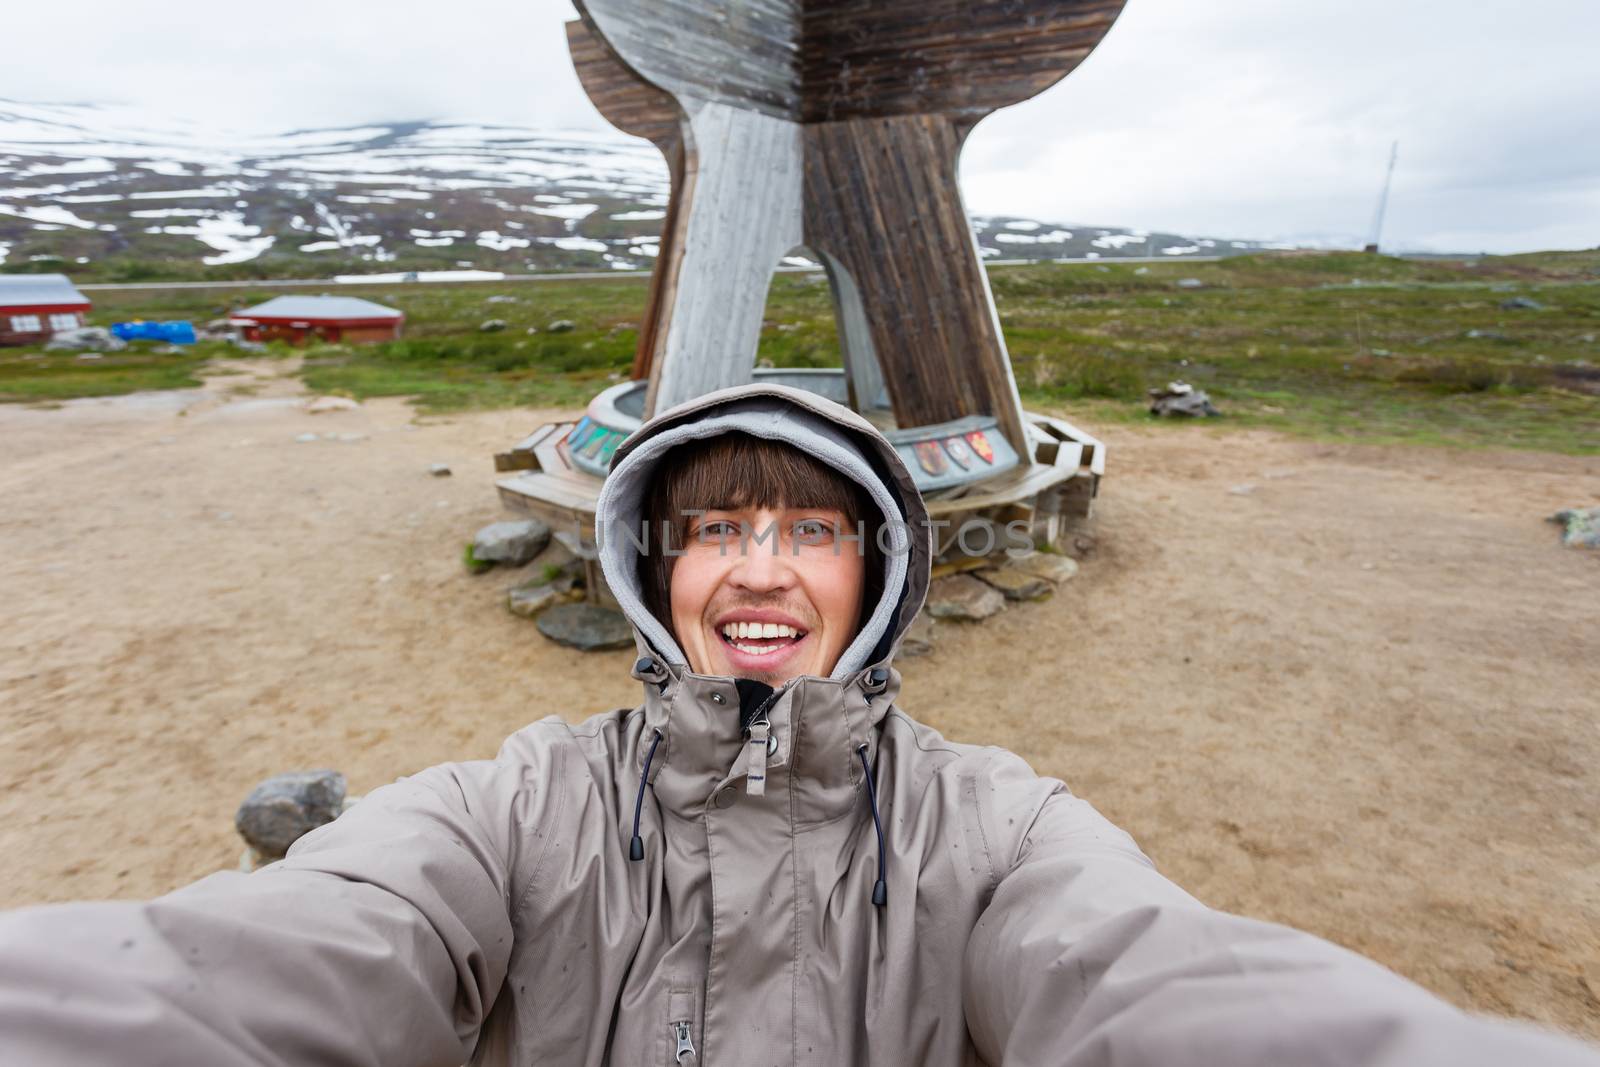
(1265, 119)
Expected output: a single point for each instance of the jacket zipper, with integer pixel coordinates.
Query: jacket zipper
(680, 1030)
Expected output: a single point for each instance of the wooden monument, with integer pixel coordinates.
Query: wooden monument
(836, 127)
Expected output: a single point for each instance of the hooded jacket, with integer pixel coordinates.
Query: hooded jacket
(493, 911)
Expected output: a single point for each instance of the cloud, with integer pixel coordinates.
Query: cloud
(1249, 118)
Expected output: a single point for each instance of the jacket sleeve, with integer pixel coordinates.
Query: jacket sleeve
(1086, 956)
(382, 939)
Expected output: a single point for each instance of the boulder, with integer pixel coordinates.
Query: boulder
(1047, 565)
(1181, 399)
(499, 299)
(562, 326)
(324, 404)
(513, 543)
(530, 598)
(1016, 584)
(1580, 527)
(1190, 283)
(439, 470)
(491, 325)
(286, 806)
(961, 596)
(586, 626)
(94, 338)
(1521, 303)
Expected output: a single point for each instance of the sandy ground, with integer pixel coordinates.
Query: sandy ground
(1362, 697)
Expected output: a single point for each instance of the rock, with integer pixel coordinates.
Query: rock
(1142, 270)
(531, 598)
(1521, 303)
(439, 470)
(1083, 545)
(562, 326)
(1181, 399)
(1047, 565)
(90, 355)
(499, 299)
(1016, 584)
(473, 564)
(918, 640)
(307, 438)
(513, 543)
(1190, 283)
(491, 325)
(97, 338)
(1486, 335)
(961, 596)
(1580, 527)
(324, 404)
(586, 626)
(286, 806)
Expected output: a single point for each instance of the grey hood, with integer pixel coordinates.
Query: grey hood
(822, 429)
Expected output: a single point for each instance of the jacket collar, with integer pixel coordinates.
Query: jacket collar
(819, 725)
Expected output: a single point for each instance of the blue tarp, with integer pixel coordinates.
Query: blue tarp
(180, 332)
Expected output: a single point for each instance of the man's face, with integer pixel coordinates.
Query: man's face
(767, 594)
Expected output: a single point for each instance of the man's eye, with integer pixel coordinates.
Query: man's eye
(718, 530)
(811, 531)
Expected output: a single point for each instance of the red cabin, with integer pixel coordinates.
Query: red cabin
(34, 306)
(299, 319)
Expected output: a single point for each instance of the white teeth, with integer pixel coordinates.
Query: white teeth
(756, 650)
(735, 630)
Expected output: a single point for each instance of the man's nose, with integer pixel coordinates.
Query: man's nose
(763, 566)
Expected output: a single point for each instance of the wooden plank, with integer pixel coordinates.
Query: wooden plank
(883, 200)
(737, 52)
(742, 214)
(962, 58)
(635, 106)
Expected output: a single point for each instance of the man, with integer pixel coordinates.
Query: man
(767, 862)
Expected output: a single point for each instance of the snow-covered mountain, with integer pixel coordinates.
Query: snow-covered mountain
(99, 185)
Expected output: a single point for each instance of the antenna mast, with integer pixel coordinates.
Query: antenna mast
(1383, 200)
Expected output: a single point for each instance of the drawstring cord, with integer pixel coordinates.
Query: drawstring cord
(880, 888)
(636, 846)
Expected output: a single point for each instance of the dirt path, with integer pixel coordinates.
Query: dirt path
(1362, 697)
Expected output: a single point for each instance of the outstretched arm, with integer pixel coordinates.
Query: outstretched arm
(1086, 956)
(381, 940)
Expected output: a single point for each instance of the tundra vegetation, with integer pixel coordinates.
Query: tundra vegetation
(1497, 351)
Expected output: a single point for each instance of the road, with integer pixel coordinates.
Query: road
(557, 276)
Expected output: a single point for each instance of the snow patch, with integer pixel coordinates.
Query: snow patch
(54, 217)
(576, 244)
(638, 216)
(492, 239)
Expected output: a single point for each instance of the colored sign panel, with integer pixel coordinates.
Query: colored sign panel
(980, 444)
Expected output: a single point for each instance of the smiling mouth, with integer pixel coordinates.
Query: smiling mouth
(761, 638)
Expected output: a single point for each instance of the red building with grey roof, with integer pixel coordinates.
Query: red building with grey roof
(34, 306)
(299, 319)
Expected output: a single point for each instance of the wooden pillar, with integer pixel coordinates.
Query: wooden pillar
(836, 124)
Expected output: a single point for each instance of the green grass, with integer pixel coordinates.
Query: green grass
(1338, 345)
(30, 376)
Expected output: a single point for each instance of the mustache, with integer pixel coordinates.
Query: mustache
(756, 601)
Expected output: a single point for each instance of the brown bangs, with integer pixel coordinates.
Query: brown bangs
(739, 470)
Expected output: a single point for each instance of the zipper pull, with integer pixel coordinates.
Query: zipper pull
(755, 765)
(685, 1045)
